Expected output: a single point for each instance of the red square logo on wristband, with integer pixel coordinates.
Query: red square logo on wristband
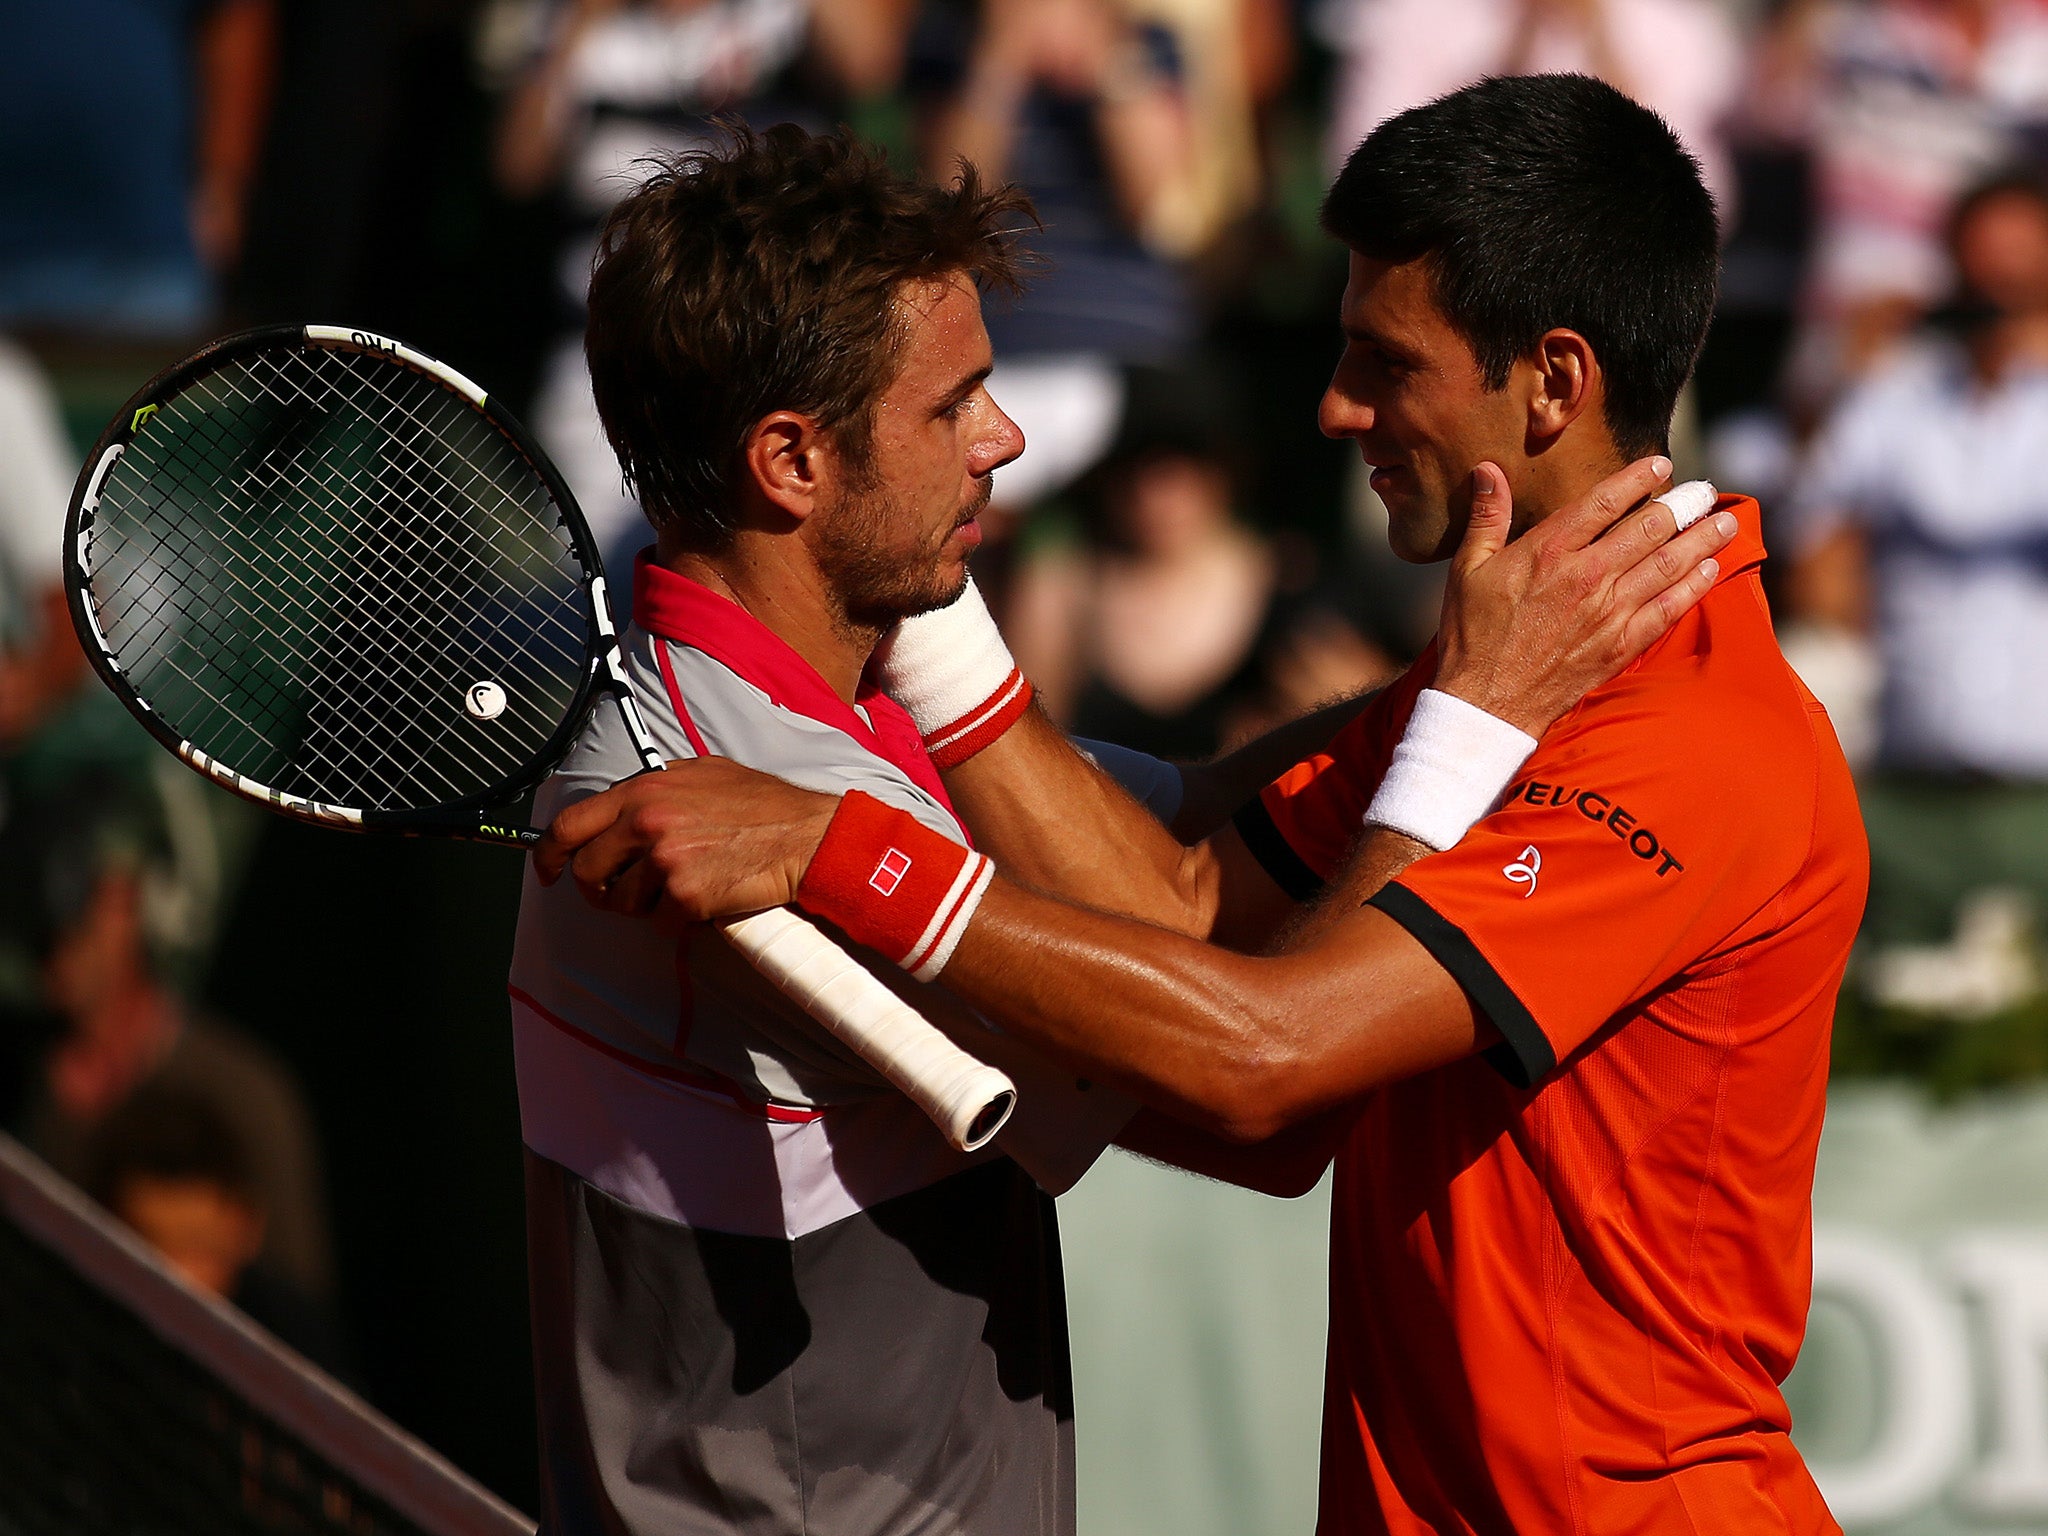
(889, 873)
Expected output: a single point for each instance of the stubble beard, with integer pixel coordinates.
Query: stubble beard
(1424, 529)
(874, 585)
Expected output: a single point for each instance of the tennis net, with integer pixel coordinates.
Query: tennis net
(133, 1405)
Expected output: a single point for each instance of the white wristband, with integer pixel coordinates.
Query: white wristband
(1454, 763)
(952, 673)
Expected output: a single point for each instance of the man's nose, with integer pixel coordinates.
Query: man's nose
(1001, 446)
(1341, 415)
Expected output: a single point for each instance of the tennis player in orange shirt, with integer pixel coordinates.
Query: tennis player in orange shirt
(1547, 973)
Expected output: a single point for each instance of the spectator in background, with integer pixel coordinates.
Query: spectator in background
(40, 662)
(1922, 521)
(1681, 58)
(133, 129)
(1235, 57)
(1149, 635)
(82, 885)
(1905, 103)
(610, 82)
(172, 1169)
(1084, 109)
(1171, 627)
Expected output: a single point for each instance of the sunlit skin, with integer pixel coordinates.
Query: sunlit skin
(203, 1230)
(1410, 392)
(1178, 1007)
(879, 540)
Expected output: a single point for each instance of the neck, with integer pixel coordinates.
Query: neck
(1559, 476)
(771, 576)
(2014, 341)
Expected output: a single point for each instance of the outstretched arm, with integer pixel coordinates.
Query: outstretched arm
(1239, 1044)
(1529, 628)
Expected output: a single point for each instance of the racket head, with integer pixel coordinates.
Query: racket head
(337, 577)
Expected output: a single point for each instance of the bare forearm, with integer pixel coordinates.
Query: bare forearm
(533, 131)
(1831, 582)
(861, 42)
(1054, 822)
(980, 124)
(1242, 1046)
(237, 67)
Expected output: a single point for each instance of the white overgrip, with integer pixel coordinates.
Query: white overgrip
(967, 1099)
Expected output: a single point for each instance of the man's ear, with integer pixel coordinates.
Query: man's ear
(1565, 383)
(786, 460)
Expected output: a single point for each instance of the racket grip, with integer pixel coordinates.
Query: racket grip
(967, 1099)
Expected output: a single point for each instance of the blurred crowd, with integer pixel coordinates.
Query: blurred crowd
(1179, 559)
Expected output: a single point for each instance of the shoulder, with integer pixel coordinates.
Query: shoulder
(729, 716)
(1716, 735)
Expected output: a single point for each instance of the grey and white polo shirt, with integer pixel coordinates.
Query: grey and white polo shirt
(767, 1296)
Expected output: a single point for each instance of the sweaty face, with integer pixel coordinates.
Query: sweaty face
(895, 541)
(1409, 391)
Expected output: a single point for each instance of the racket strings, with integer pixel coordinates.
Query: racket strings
(480, 435)
(307, 560)
(400, 563)
(401, 566)
(339, 756)
(382, 540)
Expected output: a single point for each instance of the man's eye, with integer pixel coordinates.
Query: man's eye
(1373, 362)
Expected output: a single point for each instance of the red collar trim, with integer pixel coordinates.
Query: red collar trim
(676, 608)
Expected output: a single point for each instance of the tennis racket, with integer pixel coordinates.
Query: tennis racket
(336, 577)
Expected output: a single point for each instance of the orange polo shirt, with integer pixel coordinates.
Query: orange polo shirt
(1569, 1275)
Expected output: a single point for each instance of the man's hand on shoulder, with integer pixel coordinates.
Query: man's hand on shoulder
(1530, 627)
(704, 838)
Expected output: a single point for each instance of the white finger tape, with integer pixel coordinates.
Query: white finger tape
(1690, 502)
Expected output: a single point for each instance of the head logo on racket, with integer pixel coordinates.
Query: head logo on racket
(486, 701)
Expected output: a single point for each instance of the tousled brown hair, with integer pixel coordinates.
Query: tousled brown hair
(759, 275)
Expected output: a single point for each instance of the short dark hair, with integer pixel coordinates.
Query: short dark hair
(2014, 180)
(1547, 201)
(166, 1133)
(757, 276)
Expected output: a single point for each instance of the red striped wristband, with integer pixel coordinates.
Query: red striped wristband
(952, 744)
(892, 883)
